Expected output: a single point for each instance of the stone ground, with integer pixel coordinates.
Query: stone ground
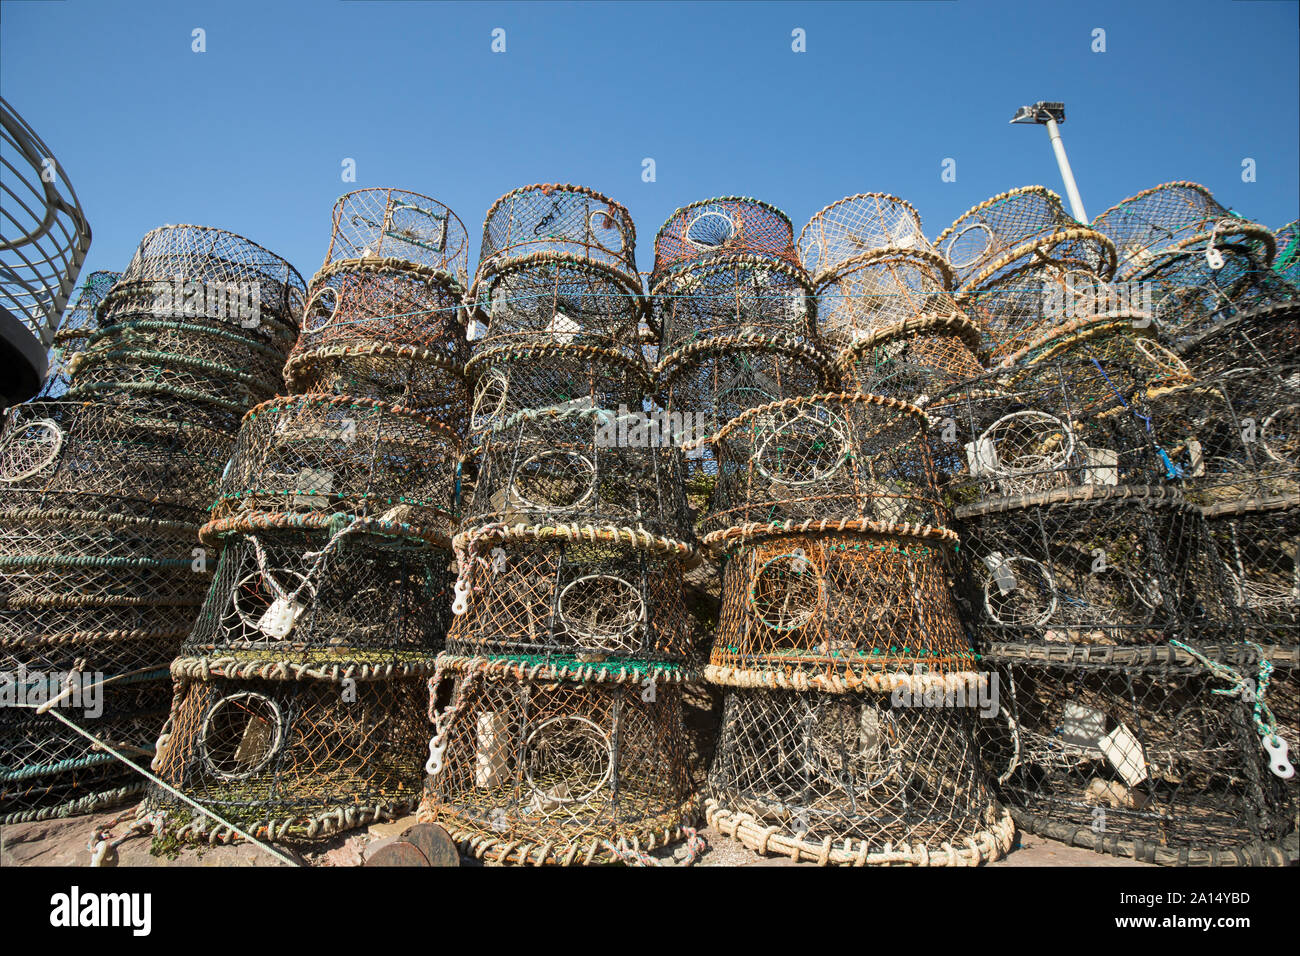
(63, 843)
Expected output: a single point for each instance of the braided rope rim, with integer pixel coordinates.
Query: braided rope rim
(320, 666)
(680, 361)
(1244, 506)
(497, 269)
(282, 327)
(84, 360)
(635, 537)
(1152, 655)
(931, 258)
(740, 535)
(69, 516)
(1041, 247)
(510, 353)
(551, 669)
(843, 398)
(289, 402)
(1265, 314)
(726, 261)
(1158, 496)
(1187, 247)
(301, 363)
(390, 265)
(848, 681)
(957, 324)
(214, 531)
(215, 331)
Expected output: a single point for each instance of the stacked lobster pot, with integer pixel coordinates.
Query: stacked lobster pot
(884, 300)
(298, 705)
(102, 492)
(78, 326)
(1092, 583)
(558, 704)
(836, 609)
(1202, 262)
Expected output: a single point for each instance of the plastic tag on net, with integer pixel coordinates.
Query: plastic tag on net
(981, 457)
(280, 618)
(1083, 725)
(1003, 576)
(1125, 754)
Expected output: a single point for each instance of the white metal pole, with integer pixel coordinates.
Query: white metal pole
(1071, 189)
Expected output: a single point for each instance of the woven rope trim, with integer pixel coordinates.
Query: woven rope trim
(1159, 496)
(984, 846)
(212, 532)
(304, 360)
(724, 263)
(843, 398)
(741, 534)
(93, 637)
(1189, 246)
(602, 672)
(1041, 248)
(288, 829)
(680, 360)
(636, 537)
(1061, 337)
(289, 402)
(499, 268)
(895, 253)
(390, 265)
(845, 682)
(508, 353)
(66, 516)
(955, 324)
(84, 360)
(91, 803)
(1251, 505)
(323, 669)
(282, 326)
(186, 394)
(216, 332)
(1155, 655)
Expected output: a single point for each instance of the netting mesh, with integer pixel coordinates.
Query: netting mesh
(1266, 338)
(857, 225)
(1016, 228)
(730, 225)
(591, 596)
(570, 220)
(843, 606)
(330, 454)
(826, 457)
(733, 295)
(1257, 545)
(79, 323)
(1286, 261)
(573, 465)
(547, 298)
(877, 290)
(914, 359)
(1048, 430)
(1099, 566)
(1139, 756)
(290, 760)
(1170, 219)
(850, 779)
(535, 769)
(718, 379)
(386, 223)
(509, 380)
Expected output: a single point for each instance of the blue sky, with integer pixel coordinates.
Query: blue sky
(250, 135)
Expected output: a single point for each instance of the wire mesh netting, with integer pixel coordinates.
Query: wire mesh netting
(512, 379)
(579, 464)
(1016, 228)
(726, 226)
(293, 759)
(1286, 261)
(989, 439)
(828, 457)
(558, 218)
(387, 223)
(718, 379)
(1091, 565)
(857, 225)
(1265, 338)
(529, 767)
(79, 324)
(877, 290)
(567, 591)
(838, 608)
(1139, 753)
(332, 454)
(853, 779)
(733, 295)
(1257, 542)
(913, 359)
(339, 588)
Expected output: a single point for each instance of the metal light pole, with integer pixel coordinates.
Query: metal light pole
(1049, 115)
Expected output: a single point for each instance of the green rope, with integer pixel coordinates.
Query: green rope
(1262, 714)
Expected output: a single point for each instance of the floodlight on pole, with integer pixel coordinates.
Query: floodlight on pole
(1049, 115)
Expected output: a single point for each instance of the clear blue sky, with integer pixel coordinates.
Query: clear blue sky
(250, 135)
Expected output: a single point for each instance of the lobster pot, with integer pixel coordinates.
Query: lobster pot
(877, 290)
(289, 589)
(1286, 262)
(1266, 338)
(572, 221)
(1134, 752)
(855, 226)
(509, 379)
(291, 754)
(1014, 229)
(572, 592)
(199, 272)
(535, 765)
(726, 296)
(1236, 436)
(1192, 296)
(110, 559)
(726, 226)
(839, 608)
(1176, 220)
(826, 457)
(1099, 566)
(1048, 430)
(303, 454)
(79, 324)
(102, 454)
(584, 465)
(1124, 346)
(383, 223)
(46, 769)
(913, 359)
(879, 777)
(716, 380)
(1257, 544)
(549, 298)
